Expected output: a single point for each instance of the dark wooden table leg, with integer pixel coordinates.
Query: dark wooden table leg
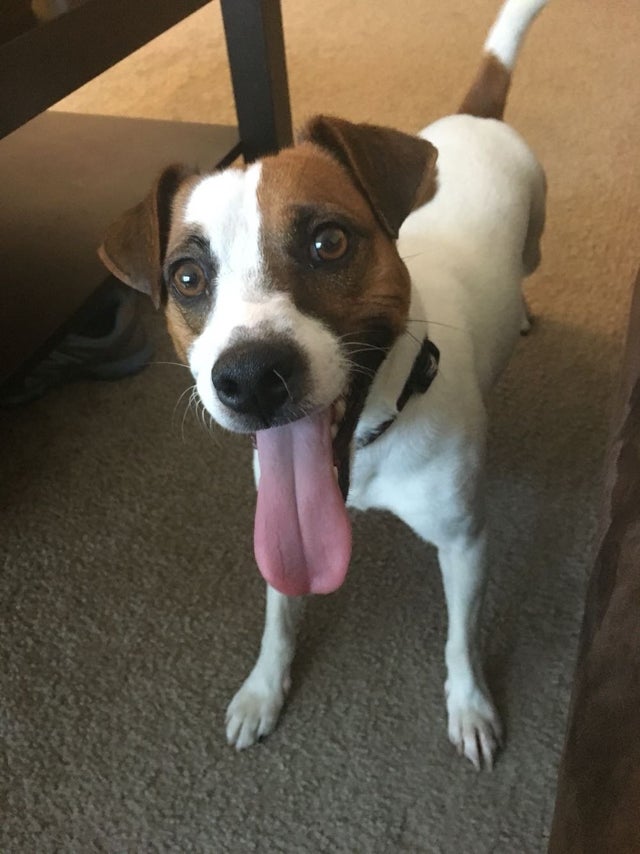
(255, 45)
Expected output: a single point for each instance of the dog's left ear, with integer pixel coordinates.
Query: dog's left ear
(394, 170)
(135, 244)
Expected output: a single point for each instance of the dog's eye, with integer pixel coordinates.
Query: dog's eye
(329, 243)
(188, 279)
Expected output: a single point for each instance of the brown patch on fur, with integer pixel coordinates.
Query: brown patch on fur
(135, 244)
(187, 316)
(308, 175)
(487, 96)
(180, 331)
(366, 295)
(393, 170)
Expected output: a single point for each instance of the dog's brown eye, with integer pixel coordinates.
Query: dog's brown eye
(329, 243)
(189, 279)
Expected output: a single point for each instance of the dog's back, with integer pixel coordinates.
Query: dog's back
(480, 235)
(467, 251)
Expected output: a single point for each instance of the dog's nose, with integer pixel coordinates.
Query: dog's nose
(258, 377)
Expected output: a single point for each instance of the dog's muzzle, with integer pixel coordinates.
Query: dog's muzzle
(262, 380)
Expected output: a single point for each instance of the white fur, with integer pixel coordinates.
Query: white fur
(507, 33)
(467, 251)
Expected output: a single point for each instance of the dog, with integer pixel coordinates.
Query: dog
(350, 302)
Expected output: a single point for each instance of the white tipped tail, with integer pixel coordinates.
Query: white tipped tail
(508, 32)
(487, 95)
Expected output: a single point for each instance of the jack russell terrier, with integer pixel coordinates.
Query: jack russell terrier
(300, 290)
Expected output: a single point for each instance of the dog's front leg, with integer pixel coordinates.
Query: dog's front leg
(253, 712)
(474, 725)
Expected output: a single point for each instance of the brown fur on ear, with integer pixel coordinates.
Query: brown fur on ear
(395, 171)
(135, 244)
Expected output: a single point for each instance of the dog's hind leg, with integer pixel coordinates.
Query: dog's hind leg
(253, 713)
(531, 254)
(474, 725)
(527, 320)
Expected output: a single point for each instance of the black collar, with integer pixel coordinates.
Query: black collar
(423, 373)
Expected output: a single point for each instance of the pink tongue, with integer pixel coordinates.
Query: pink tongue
(302, 534)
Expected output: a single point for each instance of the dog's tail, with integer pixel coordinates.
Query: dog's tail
(488, 94)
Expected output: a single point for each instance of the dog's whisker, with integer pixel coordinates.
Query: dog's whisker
(184, 415)
(349, 337)
(436, 323)
(413, 337)
(202, 424)
(176, 364)
(363, 350)
(284, 383)
(189, 406)
(212, 428)
(187, 390)
(363, 347)
(363, 344)
(208, 423)
(202, 410)
(365, 372)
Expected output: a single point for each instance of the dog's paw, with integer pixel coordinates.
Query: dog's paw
(474, 728)
(253, 713)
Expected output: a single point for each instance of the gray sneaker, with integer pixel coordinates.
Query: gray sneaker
(109, 344)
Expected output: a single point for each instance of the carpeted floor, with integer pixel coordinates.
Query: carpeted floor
(130, 606)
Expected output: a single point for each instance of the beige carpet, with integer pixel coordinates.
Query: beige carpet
(131, 609)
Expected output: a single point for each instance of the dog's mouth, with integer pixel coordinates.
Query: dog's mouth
(302, 533)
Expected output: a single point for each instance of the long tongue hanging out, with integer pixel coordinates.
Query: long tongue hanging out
(302, 534)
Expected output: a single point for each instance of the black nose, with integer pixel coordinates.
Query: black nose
(259, 377)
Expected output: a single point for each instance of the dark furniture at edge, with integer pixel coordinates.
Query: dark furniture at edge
(598, 799)
(65, 176)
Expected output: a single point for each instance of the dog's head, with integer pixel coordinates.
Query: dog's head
(284, 291)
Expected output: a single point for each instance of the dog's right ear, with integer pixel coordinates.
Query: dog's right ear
(135, 244)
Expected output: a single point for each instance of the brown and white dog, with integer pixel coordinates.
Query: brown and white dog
(300, 291)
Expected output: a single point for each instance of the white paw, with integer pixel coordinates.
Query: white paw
(474, 728)
(253, 713)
